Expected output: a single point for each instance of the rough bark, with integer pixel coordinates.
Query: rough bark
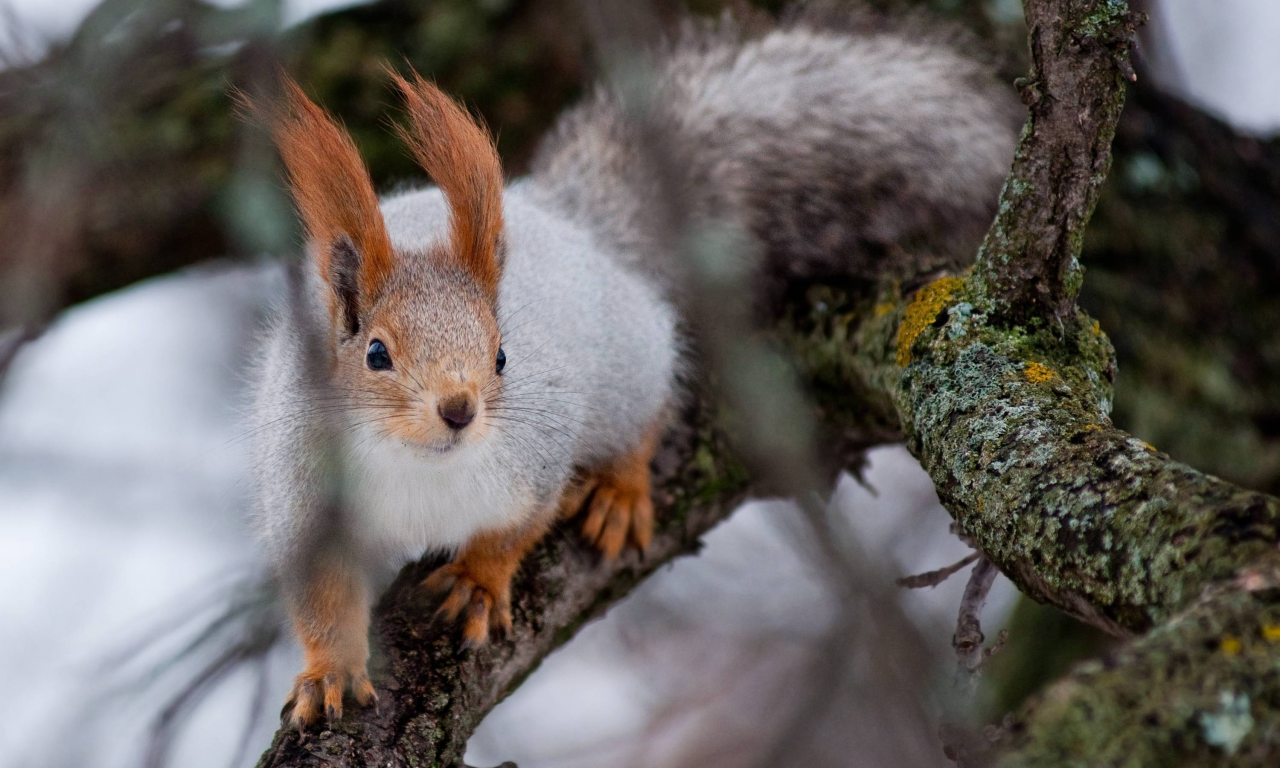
(1004, 397)
(1201, 689)
(1029, 263)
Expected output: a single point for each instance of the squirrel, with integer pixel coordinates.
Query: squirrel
(460, 366)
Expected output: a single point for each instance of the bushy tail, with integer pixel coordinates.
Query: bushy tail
(835, 139)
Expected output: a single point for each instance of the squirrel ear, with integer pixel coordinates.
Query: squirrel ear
(459, 155)
(331, 188)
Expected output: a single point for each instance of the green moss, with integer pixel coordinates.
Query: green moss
(1204, 689)
(1012, 425)
(1104, 21)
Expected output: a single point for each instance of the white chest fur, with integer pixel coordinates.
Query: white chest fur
(406, 501)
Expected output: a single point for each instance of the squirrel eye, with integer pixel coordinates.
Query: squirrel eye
(377, 357)
(502, 360)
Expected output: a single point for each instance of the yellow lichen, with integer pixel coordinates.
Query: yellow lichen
(922, 311)
(1037, 373)
(884, 308)
(1271, 632)
(1230, 645)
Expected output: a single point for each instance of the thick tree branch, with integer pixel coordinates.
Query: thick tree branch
(1004, 392)
(1199, 690)
(1012, 427)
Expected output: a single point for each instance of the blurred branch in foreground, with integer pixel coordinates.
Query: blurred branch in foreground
(121, 156)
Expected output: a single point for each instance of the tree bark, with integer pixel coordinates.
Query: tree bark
(1029, 263)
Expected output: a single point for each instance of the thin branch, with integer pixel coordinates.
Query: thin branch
(1029, 263)
(968, 639)
(960, 743)
(934, 578)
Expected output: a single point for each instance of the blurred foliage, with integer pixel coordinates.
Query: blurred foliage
(1184, 271)
(121, 156)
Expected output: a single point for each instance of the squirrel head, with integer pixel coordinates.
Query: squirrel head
(415, 338)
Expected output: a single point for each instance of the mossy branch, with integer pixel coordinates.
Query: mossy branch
(1029, 263)
(1201, 689)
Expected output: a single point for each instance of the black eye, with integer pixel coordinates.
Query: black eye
(502, 360)
(377, 358)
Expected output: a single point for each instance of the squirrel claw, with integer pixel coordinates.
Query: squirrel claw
(470, 602)
(314, 693)
(617, 514)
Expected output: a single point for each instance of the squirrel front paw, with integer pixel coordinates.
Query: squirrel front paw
(481, 600)
(321, 690)
(619, 508)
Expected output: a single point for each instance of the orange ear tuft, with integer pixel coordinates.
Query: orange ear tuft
(334, 196)
(459, 155)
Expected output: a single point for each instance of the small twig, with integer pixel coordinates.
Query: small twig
(934, 578)
(959, 742)
(969, 638)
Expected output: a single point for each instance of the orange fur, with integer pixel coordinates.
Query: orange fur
(332, 623)
(459, 155)
(617, 498)
(477, 585)
(329, 183)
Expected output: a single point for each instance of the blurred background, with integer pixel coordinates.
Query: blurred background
(140, 222)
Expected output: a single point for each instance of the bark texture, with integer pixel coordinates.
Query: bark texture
(1029, 262)
(1202, 689)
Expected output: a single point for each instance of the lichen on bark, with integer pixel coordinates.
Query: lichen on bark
(1030, 261)
(1012, 426)
(1201, 689)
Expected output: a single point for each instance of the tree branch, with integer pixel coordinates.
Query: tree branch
(1029, 263)
(1199, 690)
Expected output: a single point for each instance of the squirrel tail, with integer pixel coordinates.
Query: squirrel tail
(834, 138)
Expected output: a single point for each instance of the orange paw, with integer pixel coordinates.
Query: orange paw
(480, 606)
(316, 691)
(619, 509)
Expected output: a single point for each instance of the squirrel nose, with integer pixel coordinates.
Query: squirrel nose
(457, 411)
